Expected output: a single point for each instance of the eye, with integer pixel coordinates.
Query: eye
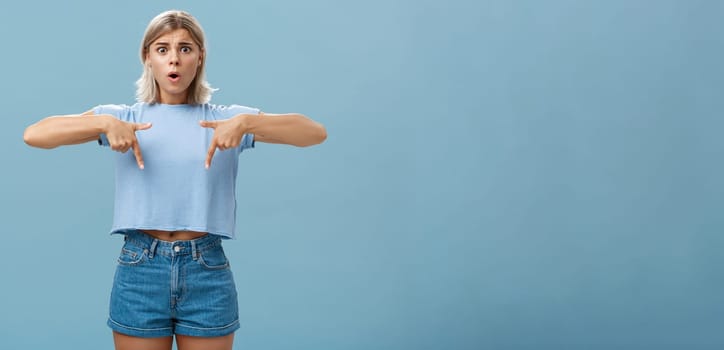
(186, 49)
(161, 50)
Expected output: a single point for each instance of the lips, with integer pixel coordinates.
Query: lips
(174, 77)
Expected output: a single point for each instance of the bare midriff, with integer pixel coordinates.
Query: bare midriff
(174, 235)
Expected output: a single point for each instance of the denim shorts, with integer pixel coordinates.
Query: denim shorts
(163, 288)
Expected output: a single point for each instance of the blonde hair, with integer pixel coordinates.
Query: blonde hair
(146, 86)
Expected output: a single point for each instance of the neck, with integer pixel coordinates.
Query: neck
(173, 99)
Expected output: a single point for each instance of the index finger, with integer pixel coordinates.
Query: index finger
(137, 153)
(210, 153)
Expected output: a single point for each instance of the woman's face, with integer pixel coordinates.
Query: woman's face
(174, 59)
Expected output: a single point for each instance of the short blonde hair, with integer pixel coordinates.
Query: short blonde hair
(146, 86)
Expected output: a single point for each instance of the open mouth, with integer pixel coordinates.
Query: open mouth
(174, 76)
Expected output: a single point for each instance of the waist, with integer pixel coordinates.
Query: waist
(171, 236)
(178, 247)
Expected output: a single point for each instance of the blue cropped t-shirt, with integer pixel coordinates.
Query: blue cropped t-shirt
(175, 191)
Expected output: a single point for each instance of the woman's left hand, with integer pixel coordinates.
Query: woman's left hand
(227, 134)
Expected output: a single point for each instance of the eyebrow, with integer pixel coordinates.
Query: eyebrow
(160, 43)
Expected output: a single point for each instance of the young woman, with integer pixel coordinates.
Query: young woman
(175, 192)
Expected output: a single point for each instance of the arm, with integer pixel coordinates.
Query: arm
(57, 131)
(291, 129)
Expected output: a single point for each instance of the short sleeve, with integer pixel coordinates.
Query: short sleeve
(247, 141)
(121, 112)
(226, 112)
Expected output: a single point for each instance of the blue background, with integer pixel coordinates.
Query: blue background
(498, 174)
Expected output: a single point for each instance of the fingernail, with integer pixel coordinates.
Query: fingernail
(141, 166)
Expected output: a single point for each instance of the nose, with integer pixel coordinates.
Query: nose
(173, 58)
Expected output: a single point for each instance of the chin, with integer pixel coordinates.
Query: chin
(175, 90)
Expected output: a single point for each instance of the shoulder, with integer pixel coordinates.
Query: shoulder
(228, 111)
(120, 111)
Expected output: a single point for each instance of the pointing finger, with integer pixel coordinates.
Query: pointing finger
(137, 153)
(210, 153)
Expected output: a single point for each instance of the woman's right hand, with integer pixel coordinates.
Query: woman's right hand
(122, 136)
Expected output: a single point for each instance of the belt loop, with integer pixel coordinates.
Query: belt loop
(153, 248)
(194, 252)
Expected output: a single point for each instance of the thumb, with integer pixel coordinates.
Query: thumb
(208, 123)
(141, 126)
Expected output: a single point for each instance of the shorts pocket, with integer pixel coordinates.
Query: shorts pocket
(132, 255)
(213, 259)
